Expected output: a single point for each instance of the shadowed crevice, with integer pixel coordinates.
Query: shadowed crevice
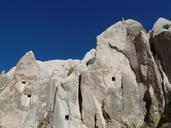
(80, 99)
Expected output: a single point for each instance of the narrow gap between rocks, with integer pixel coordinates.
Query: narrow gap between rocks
(80, 99)
(147, 100)
(157, 59)
(152, 47)
(164, 115)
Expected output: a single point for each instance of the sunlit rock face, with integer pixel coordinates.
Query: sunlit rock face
(123, 83)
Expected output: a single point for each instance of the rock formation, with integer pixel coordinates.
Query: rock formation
(123, 83)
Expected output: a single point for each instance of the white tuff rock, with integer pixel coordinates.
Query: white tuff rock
(123, 83)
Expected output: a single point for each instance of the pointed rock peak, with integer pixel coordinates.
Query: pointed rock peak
(132, 21)
(123, 27)
(30, 53)
(28, 57)
(161, 25)
(90, 56)
(134, 27)
(27, 63)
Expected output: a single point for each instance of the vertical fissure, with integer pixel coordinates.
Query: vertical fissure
(148, 101)
(165, 112)
(68, 117)
(105, 114)
(159, 65)
(122, 93)
(80, 99)
(54, 100)
(95, 121)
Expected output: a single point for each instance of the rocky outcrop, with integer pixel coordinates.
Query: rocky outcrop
(123, 83)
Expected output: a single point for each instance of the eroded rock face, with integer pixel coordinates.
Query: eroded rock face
(123, 83)
(160, 41)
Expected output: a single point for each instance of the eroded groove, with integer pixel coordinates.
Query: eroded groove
(95, 121)
(140, 51)
(159, 66)
(67, 117)
(114, 47)
(122, 85)
(122, 93)
(54, 100)
(105, 114)
(152, 47)
(166, 116)
(80, 99)
(48, 120)
(91, 61)
(148, 101)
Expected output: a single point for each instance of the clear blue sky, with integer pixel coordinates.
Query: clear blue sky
(60, 29)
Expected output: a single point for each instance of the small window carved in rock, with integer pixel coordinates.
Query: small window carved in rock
(113, 78)
(23, 82)
(67, 117)
(29, 96)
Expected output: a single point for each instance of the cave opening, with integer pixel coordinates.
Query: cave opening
(29, 95)
(113, 78)
(23, 82)
(67, 117)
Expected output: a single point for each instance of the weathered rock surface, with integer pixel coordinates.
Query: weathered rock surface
(123, 83)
